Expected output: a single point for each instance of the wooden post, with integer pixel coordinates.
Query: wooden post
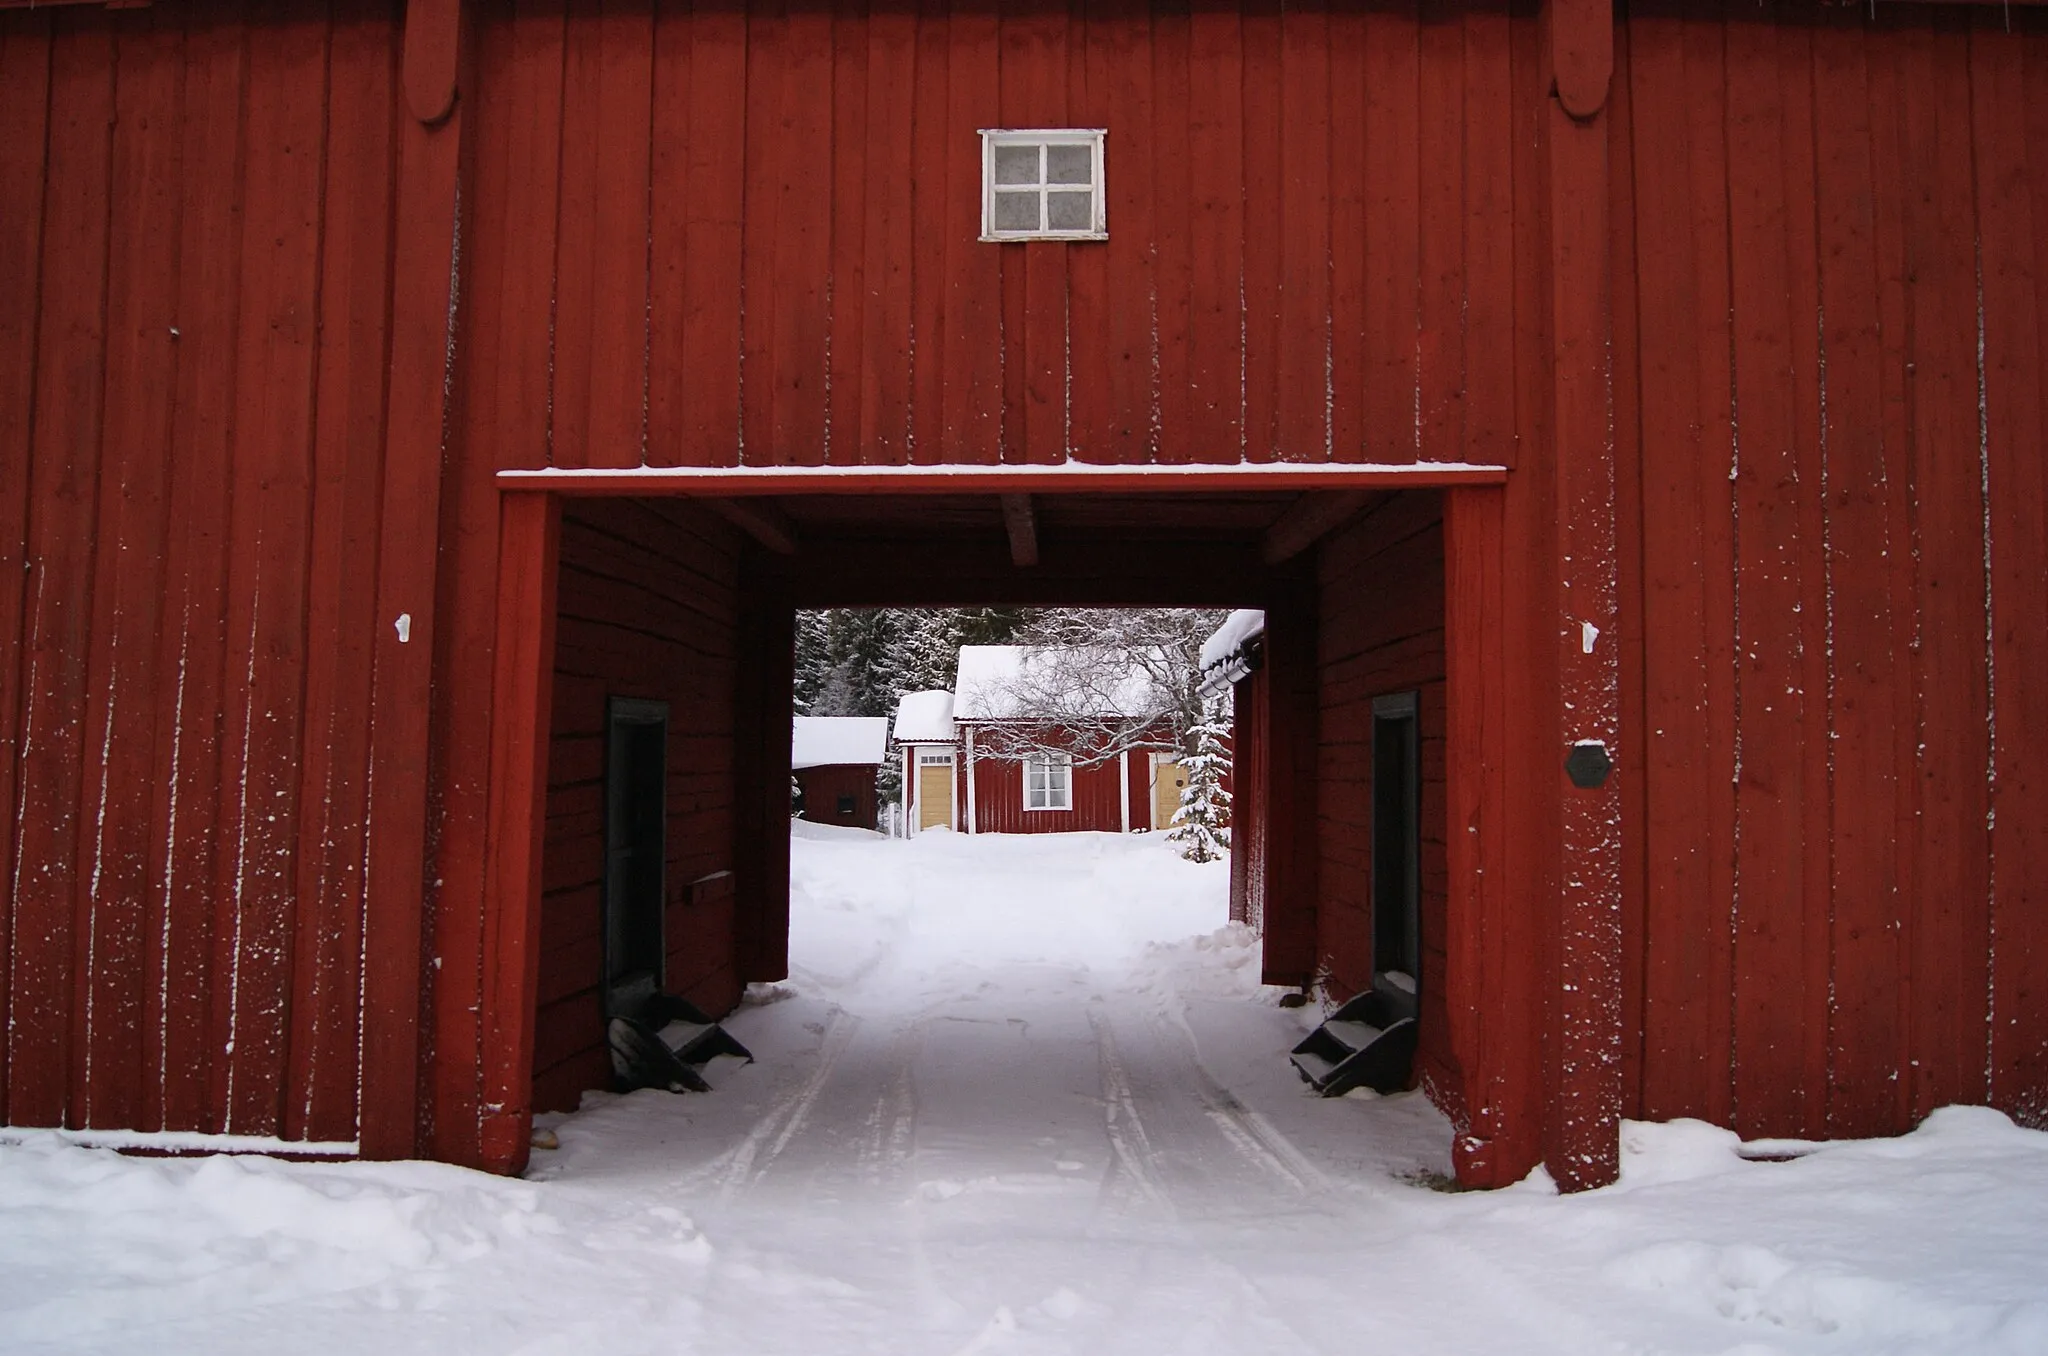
(431, 162)
(1581, 1132)
(1291, 942)
(522, 697)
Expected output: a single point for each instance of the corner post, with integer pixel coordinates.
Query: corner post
(1581, 1139)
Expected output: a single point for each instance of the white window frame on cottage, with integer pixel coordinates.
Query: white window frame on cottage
(1046, 764)
(1004, 138)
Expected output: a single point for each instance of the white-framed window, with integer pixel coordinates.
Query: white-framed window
(1042, 184)
(931, 758)
(1048, 782)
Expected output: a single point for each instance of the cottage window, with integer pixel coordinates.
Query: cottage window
(1048, 782)
(1042, 185)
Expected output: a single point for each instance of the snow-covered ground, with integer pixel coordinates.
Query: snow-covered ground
(1025, 1096)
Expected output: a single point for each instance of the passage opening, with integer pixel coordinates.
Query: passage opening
(1396, 849)
(636, 776)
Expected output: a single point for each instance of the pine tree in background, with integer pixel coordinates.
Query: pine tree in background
(1201, 826)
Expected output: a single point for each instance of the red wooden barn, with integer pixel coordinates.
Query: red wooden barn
(834, 760)
(408, 516)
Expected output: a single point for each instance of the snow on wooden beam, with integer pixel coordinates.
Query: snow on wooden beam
(1308, 520)
(765, 523)
(732, 482)
(1022, 525)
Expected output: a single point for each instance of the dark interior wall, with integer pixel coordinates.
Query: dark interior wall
(1381, 632)
(648, 608)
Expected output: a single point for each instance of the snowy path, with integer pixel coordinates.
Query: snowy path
(1025, 1098)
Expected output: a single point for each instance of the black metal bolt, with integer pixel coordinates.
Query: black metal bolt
(1588, 764)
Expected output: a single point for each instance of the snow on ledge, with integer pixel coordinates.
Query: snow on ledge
(178, 1142)
(1223, 659)
(1075, 476)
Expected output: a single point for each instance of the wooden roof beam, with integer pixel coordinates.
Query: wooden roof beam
(1022, 524)
(760, 520)
(1308, 520)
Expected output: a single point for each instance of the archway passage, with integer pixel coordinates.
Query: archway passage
(691, 603)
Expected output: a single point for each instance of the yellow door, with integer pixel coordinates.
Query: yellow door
(1169, 779)
(934, 795)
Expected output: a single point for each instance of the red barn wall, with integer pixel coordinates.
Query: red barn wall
(1381, 631)
(1832, 277)
(1310, 239)
(647, 607)
(823, 786)
(195, 253)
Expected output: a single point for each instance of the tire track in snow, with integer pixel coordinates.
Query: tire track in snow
(1130, 1146)
(747, 1162)
(892, 1125)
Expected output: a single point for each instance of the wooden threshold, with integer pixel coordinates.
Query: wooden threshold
(733, 482)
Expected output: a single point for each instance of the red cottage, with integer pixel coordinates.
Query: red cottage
(421, 419)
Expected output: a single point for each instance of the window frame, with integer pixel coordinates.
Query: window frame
(1048, 761)
(1091, 137)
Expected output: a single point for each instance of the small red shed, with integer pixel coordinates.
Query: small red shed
(834, 760)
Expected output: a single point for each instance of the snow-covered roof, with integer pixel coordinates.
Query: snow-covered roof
(925, 717)
(992, 677)
(1223, 653)
(829, 741)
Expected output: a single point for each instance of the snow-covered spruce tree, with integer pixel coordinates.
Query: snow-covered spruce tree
(1201, 826)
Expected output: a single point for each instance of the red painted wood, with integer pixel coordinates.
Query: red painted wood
(824, 786)
(1581, 54)
(25, 106)
(62, 472)
(185, 1044)
(618, 353)
(267, 565)
(2008, 82)
(1776, 710)
(1216, 428)
(847, 285)
(931, 201)
(1172, 188)
(711, 429)
(1260, 34)
(1392, 235)
(107, 1074)
(736, 482)
(1865, 940)
(433, 46)
(576, 310)
(887, 343)
(1089, 95)
(423, 248)
(347, 460)
(522, 694)
(799, 247)
(1439, 363)
(973, 374)
(1305, 322)
(1292, 899)
(1949, 907)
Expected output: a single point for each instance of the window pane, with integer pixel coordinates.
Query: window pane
(1070, 211)
(1070, 164)
(1016, 164)
(1016, 212)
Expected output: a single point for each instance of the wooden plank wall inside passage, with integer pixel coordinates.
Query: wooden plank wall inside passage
(1381, 632)
(1844, 603)
(824, 158)
(648, 607)
(197, 260)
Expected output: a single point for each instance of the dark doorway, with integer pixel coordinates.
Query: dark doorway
(1396, 849)
(636, 775)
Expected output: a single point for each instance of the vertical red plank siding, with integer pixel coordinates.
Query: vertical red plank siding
(2012, 179)
(267, 559)
(1864, 947)
(887, 340)
(712, 208)
(1173, 260)
(191, 658)
(24, 106)
(618, 353)
(1951, 900)
(1770, 805)
(1215, 228)
(846, 285)
(347, 489)
(63, 482)
(142, 281)
(1305, 328)
(1259, 320)
(1392, 234)
(797, 294)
